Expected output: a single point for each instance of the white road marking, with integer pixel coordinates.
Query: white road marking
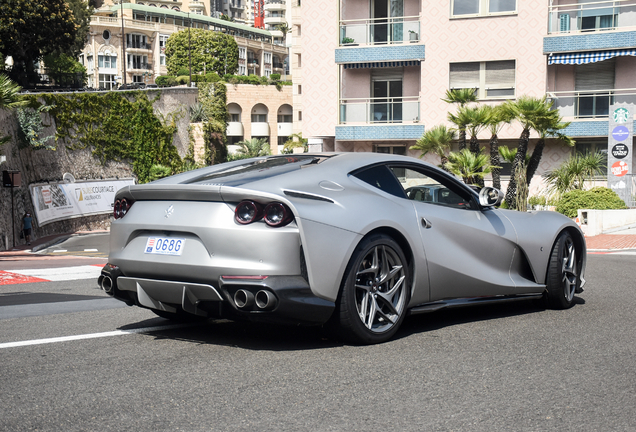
(91, 250)
(62, 273)
(60, 250)
(89, 336)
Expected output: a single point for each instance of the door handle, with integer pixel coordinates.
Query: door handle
(426, 223)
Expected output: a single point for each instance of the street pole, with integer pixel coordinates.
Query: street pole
(189, 49)
(123, 40)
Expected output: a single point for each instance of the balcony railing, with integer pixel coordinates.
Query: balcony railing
(139, 66)
(395, 30)
(138, 45)
(380, 110)
(591, 17)
(590, 104)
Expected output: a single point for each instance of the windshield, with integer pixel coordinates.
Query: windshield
(255, 170)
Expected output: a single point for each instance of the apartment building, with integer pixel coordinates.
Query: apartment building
(375, 71)
(147, 28)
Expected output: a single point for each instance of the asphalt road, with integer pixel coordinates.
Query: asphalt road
(498, 368)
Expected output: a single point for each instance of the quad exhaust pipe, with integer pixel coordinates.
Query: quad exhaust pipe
(264, 300)
(106, 284)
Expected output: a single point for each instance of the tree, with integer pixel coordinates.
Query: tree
(574, 172)
(226, 18)
(31, 29)
(436, 140)
(82, 11)
(9, 99)
(253, 147)
(530, 112)
(212, 51)
(64, 69)
(461, 97)
(469, 166)
(295, 141)
(547, 127)
(497, 118)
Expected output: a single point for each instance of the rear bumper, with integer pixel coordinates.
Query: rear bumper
(277, 299)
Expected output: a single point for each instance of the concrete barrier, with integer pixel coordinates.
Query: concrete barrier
(595, 222)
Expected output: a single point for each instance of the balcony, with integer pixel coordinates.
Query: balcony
(275, 5)
(395, 30)
(597, 16)
(138, 67)
(139, 46)
(362, 111)
(274, 19)
(234, 129)
(237, 5)
(590, 104)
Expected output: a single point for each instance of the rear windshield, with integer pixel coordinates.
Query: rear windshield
(256, 170)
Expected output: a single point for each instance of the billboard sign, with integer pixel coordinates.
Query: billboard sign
(58, 201)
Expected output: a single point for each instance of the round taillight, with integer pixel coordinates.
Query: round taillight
(124, 207)
(277, 214)
(247, 212)
(117, 209)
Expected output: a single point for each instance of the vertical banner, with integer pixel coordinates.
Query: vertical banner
(619, 151)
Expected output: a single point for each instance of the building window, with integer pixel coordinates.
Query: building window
(106, 35)
(591, 147)
(108, 62)
(162, 49)
(259, 118)
(136, 41)
(285, 118)
(106, 81)
(300, 89)
(137, 62)
(462, 8)
(594, 82)
(235, 118)
(390, 149)
(300, 116)
(300, 63)
(492, 80)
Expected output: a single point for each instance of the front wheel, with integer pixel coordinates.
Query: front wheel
(563, 278)
(375, 291)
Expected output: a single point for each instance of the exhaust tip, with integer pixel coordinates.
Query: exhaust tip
(265, 300)
(107, 284)
(243, 299)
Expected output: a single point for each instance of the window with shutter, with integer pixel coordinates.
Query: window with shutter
(595, 82)
(494, 79)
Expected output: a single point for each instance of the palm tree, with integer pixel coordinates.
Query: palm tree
(496, 121)
(461, 97)
(479, 118)
(547, 127)
(530, 112)
(10, 94)
(469, 166)
(253, 147)
(436, 140)
(574, 172)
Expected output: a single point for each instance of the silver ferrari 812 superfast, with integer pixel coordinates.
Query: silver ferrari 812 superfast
(356, 241)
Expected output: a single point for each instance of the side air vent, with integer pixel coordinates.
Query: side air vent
(305, 195)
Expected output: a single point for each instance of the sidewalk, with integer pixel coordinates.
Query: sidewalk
(42, 243)
(619, 240)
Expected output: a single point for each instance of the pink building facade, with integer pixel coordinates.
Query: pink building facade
(375, 71)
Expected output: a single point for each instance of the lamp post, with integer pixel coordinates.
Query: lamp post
(189, 50)
(123, 41)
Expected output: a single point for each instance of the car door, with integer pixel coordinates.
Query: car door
(469, 250)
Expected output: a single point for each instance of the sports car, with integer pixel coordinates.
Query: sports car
(354, 241)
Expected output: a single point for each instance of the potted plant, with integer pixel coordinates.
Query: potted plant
(347, 41)
(413, 36)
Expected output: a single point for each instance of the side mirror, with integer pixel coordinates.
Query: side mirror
(490, 196)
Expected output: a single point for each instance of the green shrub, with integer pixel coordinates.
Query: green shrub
(183, 72)
(166, 81)
(598, 198)
(274, 77)
(541, 200)
(212, 77)
(183, 80)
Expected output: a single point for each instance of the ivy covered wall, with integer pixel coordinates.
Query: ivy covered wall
(92, 136)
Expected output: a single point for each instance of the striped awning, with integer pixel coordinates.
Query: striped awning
(588, 57)
(382, 64)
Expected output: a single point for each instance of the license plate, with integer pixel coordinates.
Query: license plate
(165, 245)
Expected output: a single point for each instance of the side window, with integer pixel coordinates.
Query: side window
(433, 188)
(380, 176)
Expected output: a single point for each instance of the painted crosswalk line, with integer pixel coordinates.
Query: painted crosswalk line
(9, 277)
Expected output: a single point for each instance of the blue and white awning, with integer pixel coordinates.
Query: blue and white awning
(588, 57)
(382, 64)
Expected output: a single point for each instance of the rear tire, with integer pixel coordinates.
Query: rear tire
(563, 279)
(375, 292)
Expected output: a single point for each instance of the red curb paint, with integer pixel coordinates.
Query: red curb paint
(8, 278)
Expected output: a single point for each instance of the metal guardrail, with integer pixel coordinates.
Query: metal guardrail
(591, 16)
(380, 110)
(394, 30)
(590, 104)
